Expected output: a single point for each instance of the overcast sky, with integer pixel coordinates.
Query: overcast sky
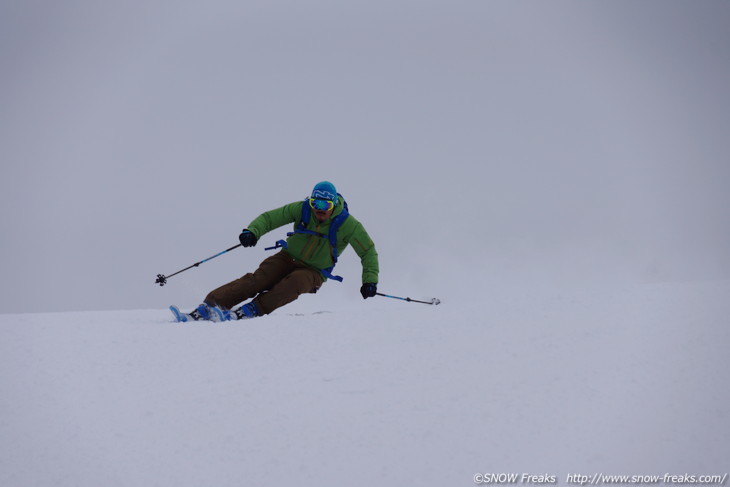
(476, 140)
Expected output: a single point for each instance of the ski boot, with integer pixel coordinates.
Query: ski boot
(248, 310)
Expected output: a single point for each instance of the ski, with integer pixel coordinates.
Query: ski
(201, 313)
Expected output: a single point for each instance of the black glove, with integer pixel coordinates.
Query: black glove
(247, 238)
(368, 290)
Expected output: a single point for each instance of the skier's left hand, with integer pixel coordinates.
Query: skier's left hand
(368, 290)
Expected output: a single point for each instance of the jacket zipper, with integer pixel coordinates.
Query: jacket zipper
(311, 245)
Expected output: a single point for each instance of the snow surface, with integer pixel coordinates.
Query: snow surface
(620, 380)
(555, 172)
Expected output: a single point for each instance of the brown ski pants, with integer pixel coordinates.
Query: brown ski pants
(279, 280)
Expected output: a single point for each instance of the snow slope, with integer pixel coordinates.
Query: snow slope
(626, 380)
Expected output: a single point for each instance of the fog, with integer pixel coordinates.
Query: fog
(480, 142)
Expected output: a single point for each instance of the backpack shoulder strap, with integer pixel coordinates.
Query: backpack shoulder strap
(306, 213)
(335, 226)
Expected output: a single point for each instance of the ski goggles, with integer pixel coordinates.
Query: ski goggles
(321, 205)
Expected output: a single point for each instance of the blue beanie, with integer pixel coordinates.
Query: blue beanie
(325, 191)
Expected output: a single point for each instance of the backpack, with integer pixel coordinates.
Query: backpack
(301, 227)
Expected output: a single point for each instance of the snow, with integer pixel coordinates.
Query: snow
(620, 379)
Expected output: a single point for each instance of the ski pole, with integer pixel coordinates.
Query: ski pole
(162, 280)
(433, 300)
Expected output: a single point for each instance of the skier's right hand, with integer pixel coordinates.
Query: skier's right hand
(247, 238)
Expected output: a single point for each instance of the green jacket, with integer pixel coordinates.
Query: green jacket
(316, 251)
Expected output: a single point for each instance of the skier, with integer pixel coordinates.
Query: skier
(323, 228)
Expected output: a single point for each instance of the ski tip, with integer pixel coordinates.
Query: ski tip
(179, 317)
